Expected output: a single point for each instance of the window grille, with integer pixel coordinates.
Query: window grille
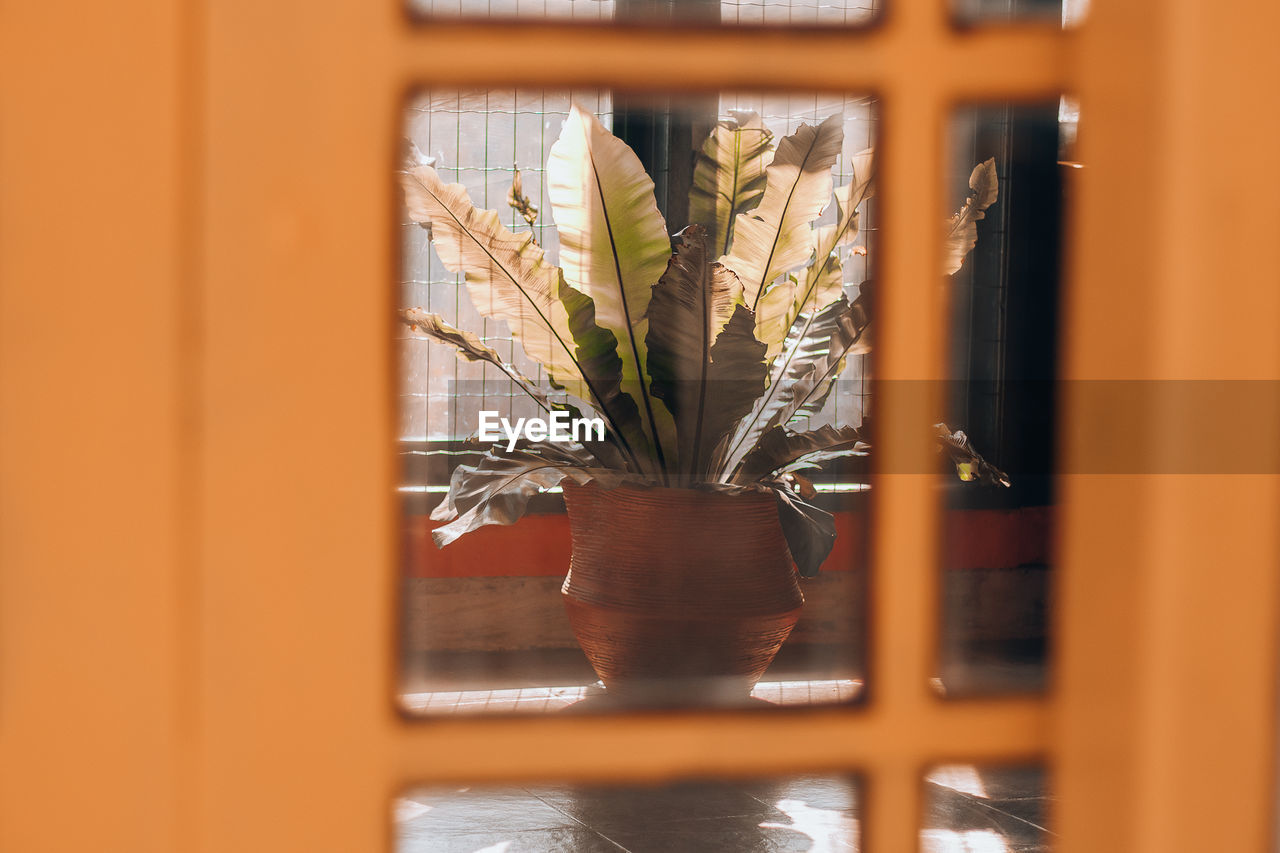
(253, 652)
(479, 138)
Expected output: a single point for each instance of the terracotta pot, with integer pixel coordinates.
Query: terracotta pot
(678, 596)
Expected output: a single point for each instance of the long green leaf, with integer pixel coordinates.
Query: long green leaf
(774, 314)
(597, 354)
(465, 486)
(502, 493)
(613, 245)
(509, 280)
(853, 320)
(823, 280)
(810, 531)
(497, 490)
(781, 450)
(469, 346)
(801, 377)
(737, 378)
(778, 236)
(790, 302)
(970, 466)
(729, 176)
(704, 361)
(506, 274)
(691, 304)
(849, 198)
(962, 227)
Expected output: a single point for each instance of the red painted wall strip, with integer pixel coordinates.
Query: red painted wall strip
(538, 546)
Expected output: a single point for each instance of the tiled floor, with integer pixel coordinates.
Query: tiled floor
(969, 811)
(812, 814)
(986, 811)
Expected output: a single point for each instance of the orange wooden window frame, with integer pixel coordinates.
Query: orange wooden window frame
(197, 523)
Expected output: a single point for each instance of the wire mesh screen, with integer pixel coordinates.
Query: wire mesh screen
(585, 10)
(850, 402)
(798, 12)
(479, 139)
(734, 12)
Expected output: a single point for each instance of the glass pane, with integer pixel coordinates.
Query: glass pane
(803, 813)
(685, 549)
(1003, 270)
(1065, 13)
(986, 810)
(838, 13)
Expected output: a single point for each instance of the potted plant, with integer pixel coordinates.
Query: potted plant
(686, 493)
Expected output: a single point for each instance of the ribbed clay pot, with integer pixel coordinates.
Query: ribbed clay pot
(678, 596)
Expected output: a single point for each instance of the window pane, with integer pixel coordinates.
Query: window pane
(986, 810)
(803, 813)
(682, 589)
(1065, 13)
(728, 12)
(1003, 270)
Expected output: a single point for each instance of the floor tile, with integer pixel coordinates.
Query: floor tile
(712, 836)
(559, 840)
(480, 810)
(1001, 810)
(969, 810)
(814, 814)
